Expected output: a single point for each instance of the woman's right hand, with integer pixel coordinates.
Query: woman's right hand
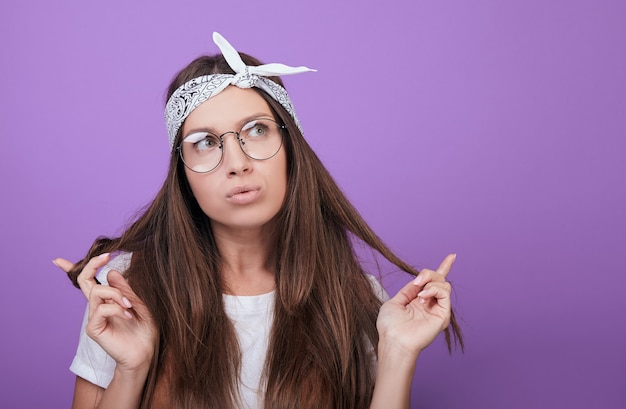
(118, 320)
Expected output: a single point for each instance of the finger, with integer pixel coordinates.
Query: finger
(100, 319)
(117, 281)
(446, 264)
(434, 289)
(86, 278)
(102, 294)
(63, 264)
(425, 276)
(438, 292)
(406, 294)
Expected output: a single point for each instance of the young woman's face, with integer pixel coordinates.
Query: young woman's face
(241, 192)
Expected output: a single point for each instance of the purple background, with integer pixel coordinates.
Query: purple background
(493, 129)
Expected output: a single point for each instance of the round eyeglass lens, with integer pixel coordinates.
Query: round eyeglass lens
(259, 139)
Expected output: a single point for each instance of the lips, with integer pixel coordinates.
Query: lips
(241, 189)
(243, 194)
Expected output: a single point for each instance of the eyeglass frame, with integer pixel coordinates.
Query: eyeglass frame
(281, 129)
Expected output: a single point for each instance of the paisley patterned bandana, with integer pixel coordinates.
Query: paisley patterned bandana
(197, 90)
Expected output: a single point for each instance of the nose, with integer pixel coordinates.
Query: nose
(234, 160)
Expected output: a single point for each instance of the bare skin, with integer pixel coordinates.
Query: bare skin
(407, 324)
(121, 324)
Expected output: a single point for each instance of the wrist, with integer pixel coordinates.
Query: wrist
(393, 348)
(126, 388)
(396, 358)
(137, 373)
(394, 373)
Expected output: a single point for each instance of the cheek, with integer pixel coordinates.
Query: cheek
(281, 178)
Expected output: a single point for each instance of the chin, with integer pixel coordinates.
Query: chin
(253, 221)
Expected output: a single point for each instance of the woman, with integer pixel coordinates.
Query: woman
(240, 284)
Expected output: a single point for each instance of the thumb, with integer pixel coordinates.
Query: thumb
(63, 264)
(117, 280)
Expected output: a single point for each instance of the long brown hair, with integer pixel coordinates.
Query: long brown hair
(324, 338)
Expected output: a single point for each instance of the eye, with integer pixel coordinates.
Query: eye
(207, 143)
(255, 129)
(258, 130)
(202, 141)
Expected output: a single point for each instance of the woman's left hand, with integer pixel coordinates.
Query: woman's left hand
(413, 318)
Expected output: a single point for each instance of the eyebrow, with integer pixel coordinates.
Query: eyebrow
(240, 123)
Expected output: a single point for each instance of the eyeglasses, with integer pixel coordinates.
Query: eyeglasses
(259, 139)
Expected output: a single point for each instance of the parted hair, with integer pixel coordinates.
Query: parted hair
(323, 341)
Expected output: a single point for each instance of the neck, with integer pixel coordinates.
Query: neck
(247, 267)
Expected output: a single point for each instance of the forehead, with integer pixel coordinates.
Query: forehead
(227, 109)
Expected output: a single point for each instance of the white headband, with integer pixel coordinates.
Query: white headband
(195, 91)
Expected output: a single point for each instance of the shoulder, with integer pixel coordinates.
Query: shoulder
(120, 262)
(378, 288)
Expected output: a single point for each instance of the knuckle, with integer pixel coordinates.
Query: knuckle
(80, 280)
(426, 275)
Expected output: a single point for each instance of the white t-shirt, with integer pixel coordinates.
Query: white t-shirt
(251, 316)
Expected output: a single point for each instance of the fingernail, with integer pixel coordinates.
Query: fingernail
(126, 302)
(128, 314)
(421, 293)
(54, 261)
(417, 280)
(422, 301)
(103, 255)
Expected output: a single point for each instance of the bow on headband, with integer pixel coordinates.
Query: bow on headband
(197, 90)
